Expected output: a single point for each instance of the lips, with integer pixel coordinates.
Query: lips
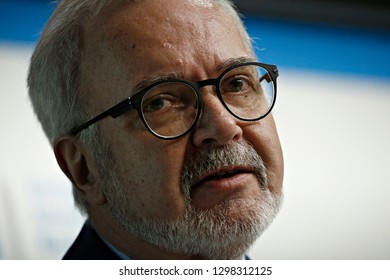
(224, 173)
(224, 185)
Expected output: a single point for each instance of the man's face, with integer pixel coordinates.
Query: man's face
(224, 167)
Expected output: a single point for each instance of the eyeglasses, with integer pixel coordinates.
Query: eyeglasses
(170, 108)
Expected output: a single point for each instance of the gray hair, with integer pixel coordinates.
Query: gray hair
(54, 74)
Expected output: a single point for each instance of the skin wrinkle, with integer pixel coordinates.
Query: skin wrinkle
(147, 170)
(109, 35)
(207, 160)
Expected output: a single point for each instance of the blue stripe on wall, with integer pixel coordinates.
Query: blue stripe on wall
(287, 44)
(314, 46)
(22, 21)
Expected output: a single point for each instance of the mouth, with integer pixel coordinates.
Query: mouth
(222, 174)
(224, 184)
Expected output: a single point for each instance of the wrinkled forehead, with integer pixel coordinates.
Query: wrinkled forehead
(131, 38)
(124, 24)
(138, 29)
(153, 16)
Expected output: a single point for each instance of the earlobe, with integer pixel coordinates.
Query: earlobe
(73, 160)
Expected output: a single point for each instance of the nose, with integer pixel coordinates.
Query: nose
(216, 126)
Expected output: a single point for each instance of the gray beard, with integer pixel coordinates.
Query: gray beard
(216, 233)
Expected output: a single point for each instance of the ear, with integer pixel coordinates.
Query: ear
(78, 164)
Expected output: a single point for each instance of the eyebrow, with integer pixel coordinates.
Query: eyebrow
(151, 80)
(232, 62)
(174, 75)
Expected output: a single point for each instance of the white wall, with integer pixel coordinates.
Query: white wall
(37, 216)
(335, 134)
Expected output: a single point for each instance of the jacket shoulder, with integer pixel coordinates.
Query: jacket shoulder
(89, 246)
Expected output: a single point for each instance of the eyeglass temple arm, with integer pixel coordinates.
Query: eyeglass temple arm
(114, 112)
(267, 76)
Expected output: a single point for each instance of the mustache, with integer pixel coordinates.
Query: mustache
(215, 158)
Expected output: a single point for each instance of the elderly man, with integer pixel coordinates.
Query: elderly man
(159, 115)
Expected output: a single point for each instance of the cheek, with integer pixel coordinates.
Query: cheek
(264, 137)
(150, 174)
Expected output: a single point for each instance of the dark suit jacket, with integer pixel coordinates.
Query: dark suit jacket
(89, 246)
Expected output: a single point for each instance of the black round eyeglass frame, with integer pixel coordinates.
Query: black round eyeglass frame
(136, 100)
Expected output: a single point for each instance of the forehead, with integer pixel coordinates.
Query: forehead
(133, 39)
(155, 21)
(160, 15)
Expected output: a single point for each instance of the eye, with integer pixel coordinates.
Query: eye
(157, 103)
(236, 84)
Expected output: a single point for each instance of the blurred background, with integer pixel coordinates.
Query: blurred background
(333, 116)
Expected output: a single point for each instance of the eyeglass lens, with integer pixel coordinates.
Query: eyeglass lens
(170, 109)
